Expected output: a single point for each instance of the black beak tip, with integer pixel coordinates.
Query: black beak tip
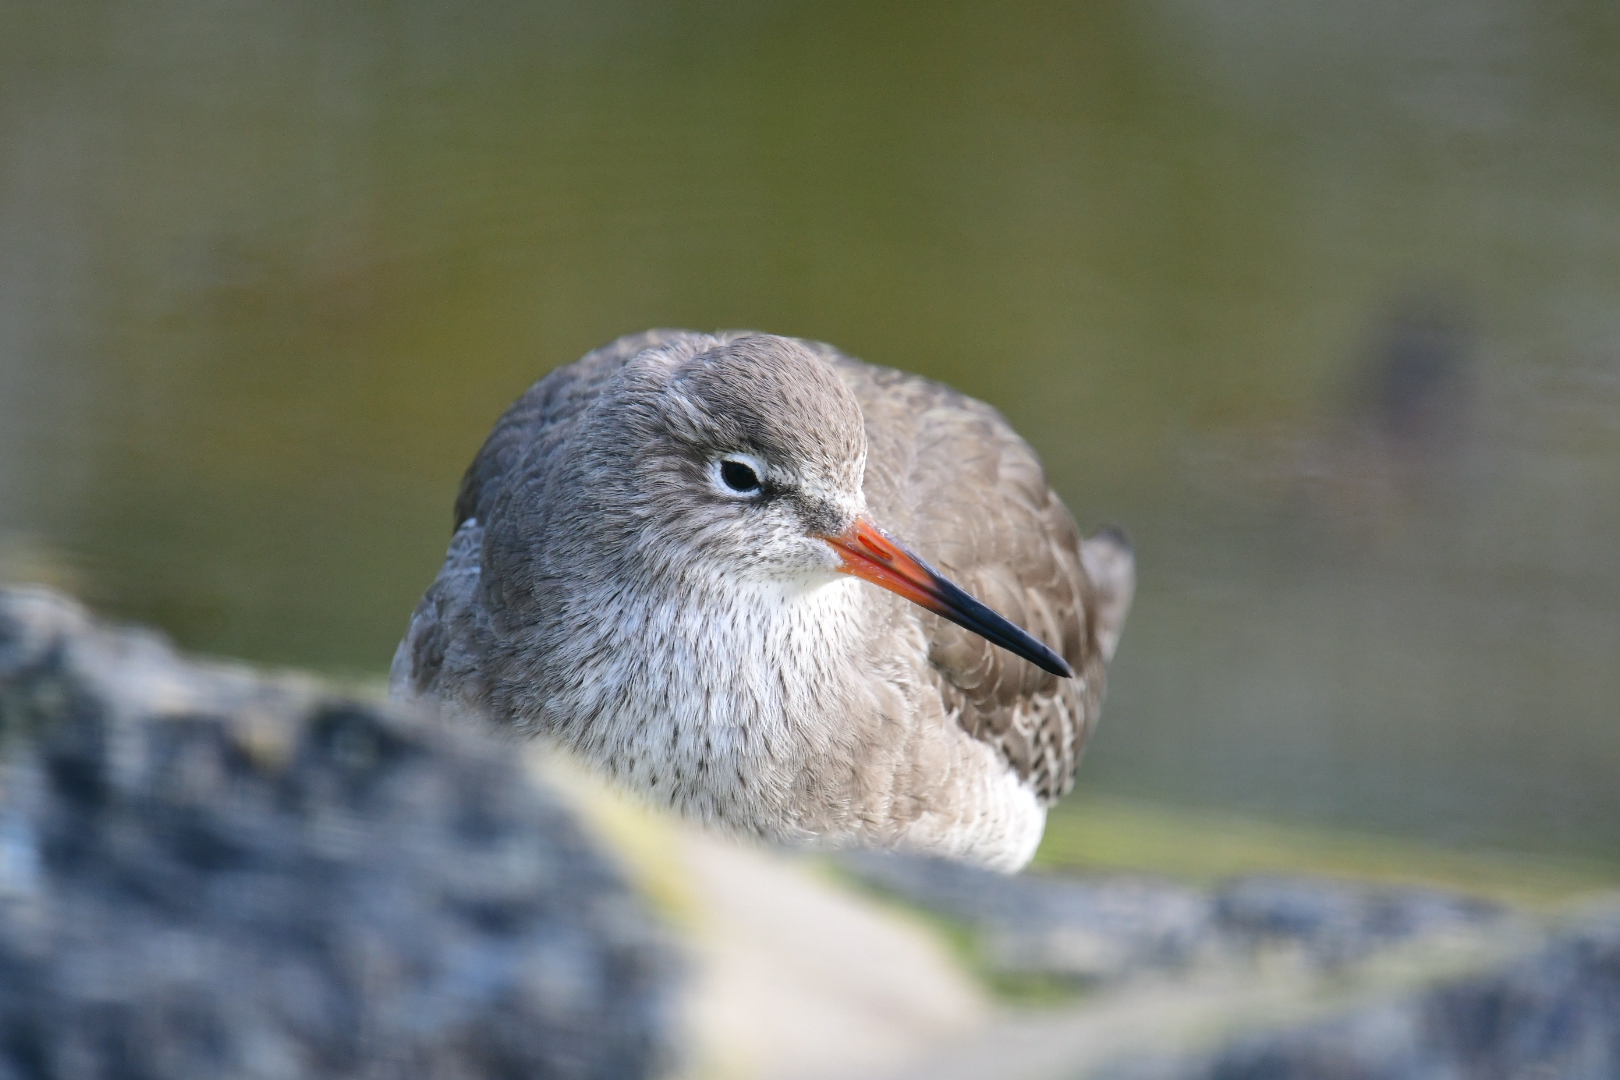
(960, 607)
(1050, 661)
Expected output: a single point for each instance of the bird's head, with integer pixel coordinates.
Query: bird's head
(743, 459)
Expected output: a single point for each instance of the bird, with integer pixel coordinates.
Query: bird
(781, 591)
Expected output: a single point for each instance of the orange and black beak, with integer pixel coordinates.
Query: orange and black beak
(873, 555)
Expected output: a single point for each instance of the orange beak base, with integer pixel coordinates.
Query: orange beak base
(873, 555)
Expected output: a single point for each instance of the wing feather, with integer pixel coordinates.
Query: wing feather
(970, 495)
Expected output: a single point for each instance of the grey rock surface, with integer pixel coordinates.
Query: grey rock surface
(205, 873)
(1267, 978)
(1038, 924)
(1101, 928)
(1554, 1014)
(1338, 922)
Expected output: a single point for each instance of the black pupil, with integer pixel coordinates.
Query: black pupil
(738, 477)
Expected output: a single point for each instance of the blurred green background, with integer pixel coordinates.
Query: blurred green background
(1320, 301)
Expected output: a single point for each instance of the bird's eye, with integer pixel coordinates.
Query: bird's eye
(739, 476)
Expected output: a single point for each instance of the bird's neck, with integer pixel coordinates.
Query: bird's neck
(716, 692)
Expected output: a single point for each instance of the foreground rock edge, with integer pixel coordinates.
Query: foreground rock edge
(208, 872)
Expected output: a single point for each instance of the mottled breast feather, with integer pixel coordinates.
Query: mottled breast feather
(969, 495)
(1003, 535)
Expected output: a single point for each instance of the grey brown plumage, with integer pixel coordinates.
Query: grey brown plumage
(865, 751)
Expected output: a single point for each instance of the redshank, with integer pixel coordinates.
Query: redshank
(664, 561)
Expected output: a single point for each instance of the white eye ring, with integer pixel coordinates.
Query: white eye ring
(740, 476)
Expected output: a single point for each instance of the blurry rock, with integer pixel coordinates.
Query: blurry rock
(1037, 924)
(1553, 1014)
(1335, 922)
(1273, 978)
(1103, 928)
(207, 874)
